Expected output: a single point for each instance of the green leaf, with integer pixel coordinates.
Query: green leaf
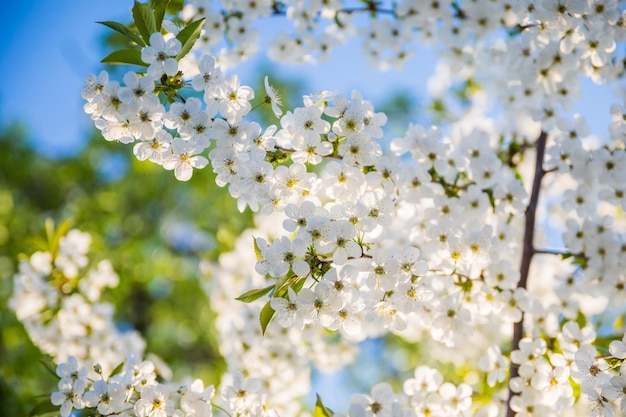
(266, 316)
(117, 369)
(492, 200)
(297, 286)
(513, 32)
(252, 295)
(257, 250)
(320, 409)
(159, 7)
(338, 21)
(49, 368)
(62, 231)
(603, 342)
(125, 56)
(144, 19)
(44, 407)
(38, 243)
(188, 36)
(581, 320)
(281, 286)
(580, 261)
(49, 226)
(120, 28)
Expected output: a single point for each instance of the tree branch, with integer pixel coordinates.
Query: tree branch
(551, 252)
(528, 252)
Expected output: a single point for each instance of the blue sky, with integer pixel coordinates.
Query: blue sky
(51, 45)
(48, 49)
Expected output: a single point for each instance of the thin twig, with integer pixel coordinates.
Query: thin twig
(370, 9)
(290, 151)
(551, 252)
(528, 252)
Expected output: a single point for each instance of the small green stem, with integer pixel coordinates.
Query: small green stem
(221, 409)
(257, 106)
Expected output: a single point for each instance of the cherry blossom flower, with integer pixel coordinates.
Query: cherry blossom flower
(210, 74)
(381, 403)
(272, 97)
(196, 399)
(160, 55)
(184, 159)
(589, 371)
(287, 310)
(234, 98)
(154, 402)
(495, 364)
(108, 398)
(616, 390)
(69, 396)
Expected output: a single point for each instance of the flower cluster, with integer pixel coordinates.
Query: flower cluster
(602, 378)
(56, 295)
(589, 233)
(125, 385)
(132, 390)
(543, 381)
(430, 395)
(341, 215)
(281, 359)
(390, 32)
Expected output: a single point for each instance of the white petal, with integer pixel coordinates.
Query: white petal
(57, 398)
(170, 67)
(183, 171)
(352, 325)
(198, 162)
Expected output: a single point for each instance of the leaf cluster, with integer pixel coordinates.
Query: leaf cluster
(148, 19)
(318, 265)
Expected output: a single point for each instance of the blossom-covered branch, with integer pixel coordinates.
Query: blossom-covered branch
(430, 240)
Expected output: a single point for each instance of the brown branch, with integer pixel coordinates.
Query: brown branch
(527, 254)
